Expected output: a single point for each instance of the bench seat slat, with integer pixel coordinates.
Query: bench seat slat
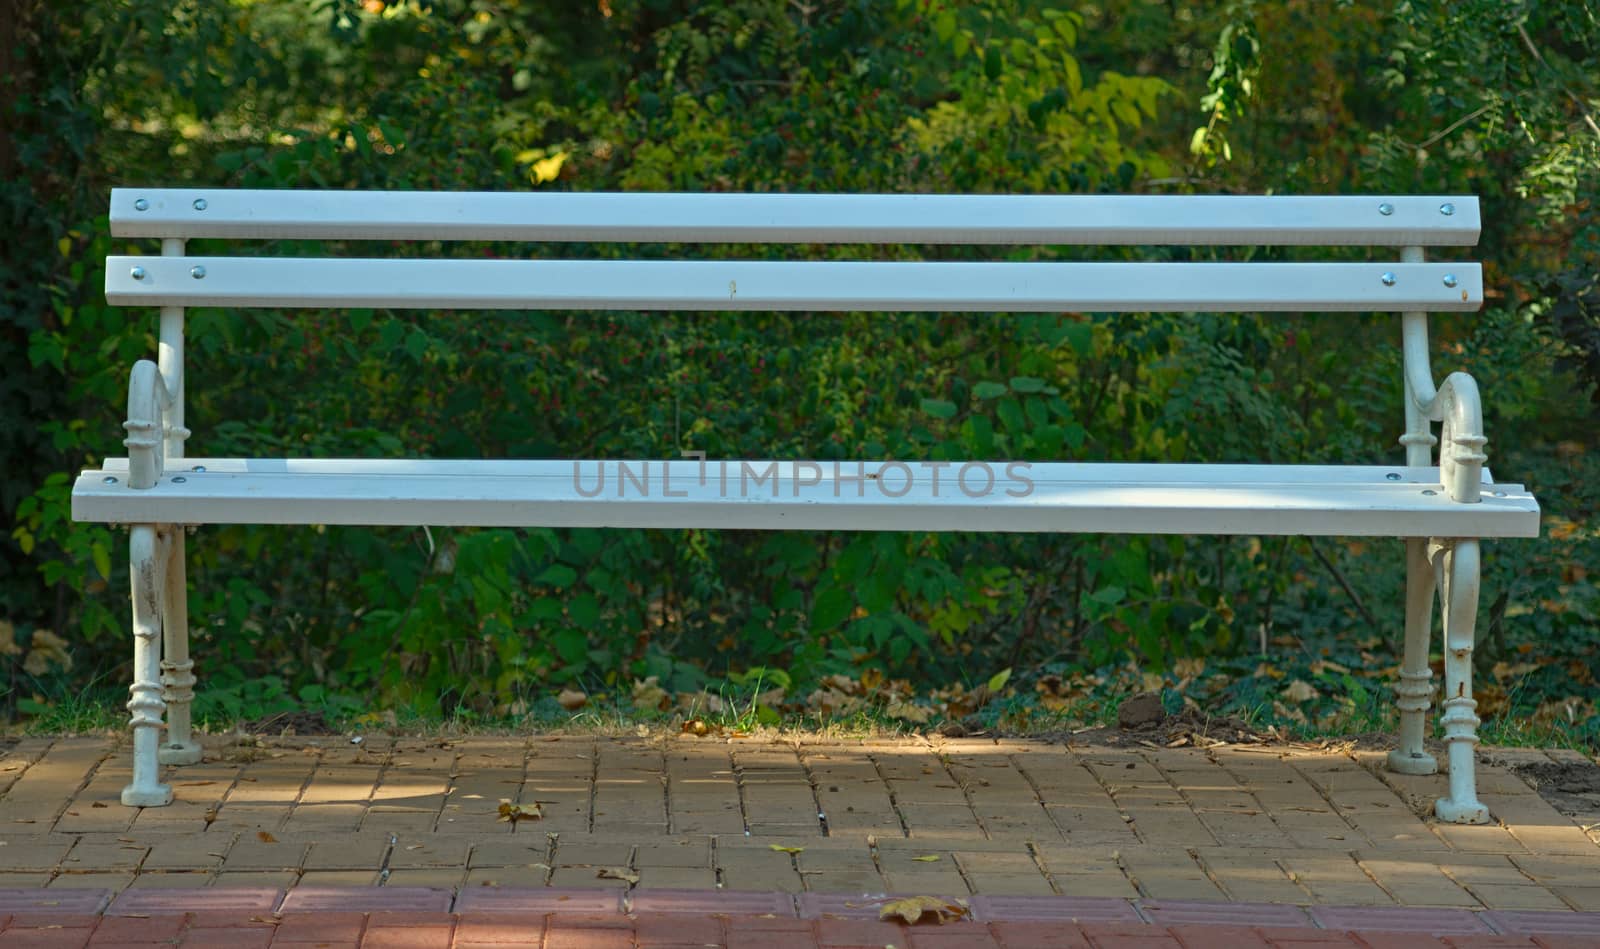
(791, 285)
(798, 218)
(1079, 498)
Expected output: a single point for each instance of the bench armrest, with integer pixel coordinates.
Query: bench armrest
(1456, 405)
(149, 409)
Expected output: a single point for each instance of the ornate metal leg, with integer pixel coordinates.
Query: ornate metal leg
(177, 677)
(147, 551)
(1415, 688)
(1457, 566)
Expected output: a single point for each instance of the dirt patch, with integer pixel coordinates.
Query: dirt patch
(1571, 787)
(286, 724)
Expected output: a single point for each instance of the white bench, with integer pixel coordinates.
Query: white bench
(1442, 508)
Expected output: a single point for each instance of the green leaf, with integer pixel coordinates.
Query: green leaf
(558, 575)
(1026, 384)
(830, 608)
(998, 680)
(939, 408)
(989, 390)
(102, 559)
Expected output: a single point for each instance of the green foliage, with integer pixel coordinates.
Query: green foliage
(765, 95)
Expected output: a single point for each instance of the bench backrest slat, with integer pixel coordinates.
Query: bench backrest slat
(1402, 220)
(790, 285)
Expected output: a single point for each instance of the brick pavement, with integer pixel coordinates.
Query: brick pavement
(970, 818)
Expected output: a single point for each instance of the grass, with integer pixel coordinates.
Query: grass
(1020, 714)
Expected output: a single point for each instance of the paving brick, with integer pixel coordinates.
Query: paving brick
(548, 900)
(1032, 935)
(32, 851)
(1115, 936)
(1053, 909)
(853, 932)
(55, 902)
(133, 902)
(1172, 913)
(322, 926)
(593, 932)
(646, 902)
(500, 929)
(149, 929)
(1398, 919)
(1572, 924)
(678, 932)
(369, 900)
(1219, 937)
(408, 930)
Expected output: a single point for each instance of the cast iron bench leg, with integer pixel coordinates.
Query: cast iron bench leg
(148, 551)
(177, 675)
(1456, 566)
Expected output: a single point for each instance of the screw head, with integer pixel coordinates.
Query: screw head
(141, 205)
(1449, 279)
(1429, 492)
(1385, 209)
(1499, 494)
(1393, 476)
(180, 479)
(199, 204)
(198, 273)
(137, 273)
(198, 468)
(1447, 209)
(109, 480)
(1388, 278)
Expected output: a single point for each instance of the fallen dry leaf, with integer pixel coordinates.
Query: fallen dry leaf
(512, 813)
(782, 849)
(914, 909)
(573, 699)
(696, 727)
(926, 858)
(617, 873)
(265, 837)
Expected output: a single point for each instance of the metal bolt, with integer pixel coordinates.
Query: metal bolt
(198, 273)
(109, 480)
(199, 204)
(1449, 279)
(141, 205)
(1447, 209)
(1499, 494)
(198, 468)
(1388, 278)
(1430, 492)
(180, 479)
(1393, 476)
(1385, 209)
(137, 273)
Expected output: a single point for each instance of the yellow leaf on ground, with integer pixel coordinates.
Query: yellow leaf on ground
(265, 837)
(1299, 691)
(618, 873)
(916, 909)
(782, 849)
(926, 858)
(512, 813)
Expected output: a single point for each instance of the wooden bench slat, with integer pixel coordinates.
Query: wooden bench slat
(791, 285)
(1063, 498)
(798, 218)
